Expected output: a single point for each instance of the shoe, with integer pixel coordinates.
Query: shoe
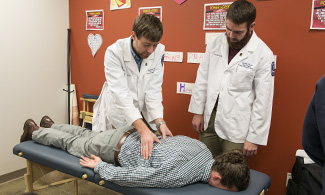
(29, 127)
(46, 122)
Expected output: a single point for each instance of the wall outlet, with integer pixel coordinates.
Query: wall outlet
(289, 176)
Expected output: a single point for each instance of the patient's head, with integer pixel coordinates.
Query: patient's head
(230, 171)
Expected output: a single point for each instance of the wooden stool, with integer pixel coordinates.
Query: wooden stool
(85, 115)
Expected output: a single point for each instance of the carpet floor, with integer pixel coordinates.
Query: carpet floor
(17, 186)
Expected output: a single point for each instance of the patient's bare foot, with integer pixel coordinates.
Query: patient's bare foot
(29, 127)
(46, 122)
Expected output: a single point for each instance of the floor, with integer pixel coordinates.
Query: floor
(17, 186)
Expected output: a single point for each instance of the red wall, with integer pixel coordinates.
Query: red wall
(284, 27)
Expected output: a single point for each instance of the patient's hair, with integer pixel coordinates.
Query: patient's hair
(233, 169)
(148, 26)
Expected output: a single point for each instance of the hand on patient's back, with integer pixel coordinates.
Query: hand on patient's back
(90, 163)
(147, 140)
(165, 131)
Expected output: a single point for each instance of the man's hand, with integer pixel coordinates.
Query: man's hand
(147, 139)
(198, 123)
(249, 148)
(90, 163)
(163, 129)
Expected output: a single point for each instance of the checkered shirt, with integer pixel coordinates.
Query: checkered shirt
(175, 162)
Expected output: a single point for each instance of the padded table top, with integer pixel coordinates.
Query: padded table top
(64, 162)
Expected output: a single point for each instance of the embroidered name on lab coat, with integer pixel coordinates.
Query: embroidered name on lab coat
(246, 65)
(150, 71)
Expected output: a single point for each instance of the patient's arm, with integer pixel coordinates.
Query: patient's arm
(90, 163)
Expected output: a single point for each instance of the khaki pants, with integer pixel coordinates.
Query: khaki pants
(80, 141)
(215, 144)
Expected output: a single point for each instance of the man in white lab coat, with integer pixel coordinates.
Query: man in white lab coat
(134, 73)
(233, 94)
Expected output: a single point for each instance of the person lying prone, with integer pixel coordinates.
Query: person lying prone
(116, 156)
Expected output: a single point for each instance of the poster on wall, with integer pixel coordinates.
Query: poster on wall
(318, 15)
(120, 4)
(95, 20)
(215, 16)
(157, 11)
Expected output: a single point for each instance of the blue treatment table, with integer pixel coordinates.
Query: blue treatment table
(42, 159)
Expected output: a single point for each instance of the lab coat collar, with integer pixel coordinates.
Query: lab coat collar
(131, 64)
(146, 64)
(126, 47)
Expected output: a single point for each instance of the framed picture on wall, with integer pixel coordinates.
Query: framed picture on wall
(95, 20)
(120, 4)
(317, 15)
(157, 11)
(215, 16)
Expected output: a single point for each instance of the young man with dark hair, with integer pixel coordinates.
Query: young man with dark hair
(134, 72)
(233, 93)
(174, 162)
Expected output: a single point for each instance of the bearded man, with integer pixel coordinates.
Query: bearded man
(233, 93)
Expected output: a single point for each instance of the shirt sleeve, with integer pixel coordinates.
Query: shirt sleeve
(199, 95)
(117, 82)
(260, 119)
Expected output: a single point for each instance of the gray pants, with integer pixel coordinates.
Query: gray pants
(80, 141)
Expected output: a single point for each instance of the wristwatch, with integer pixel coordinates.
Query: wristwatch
(160, 123)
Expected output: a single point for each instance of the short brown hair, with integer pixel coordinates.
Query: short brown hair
(233, 169)
(148, 26)
(241, 11)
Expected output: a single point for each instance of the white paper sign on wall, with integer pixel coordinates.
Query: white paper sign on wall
(185, 88)
(94, 42)
(209, 35)
(173, 56)
(193, 57)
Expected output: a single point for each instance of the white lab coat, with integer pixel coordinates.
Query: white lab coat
(129, 91)
(244, 87)
(100, 120)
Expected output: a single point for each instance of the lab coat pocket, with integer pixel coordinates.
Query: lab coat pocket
(242, 80)
(240, 125)
(115, 114)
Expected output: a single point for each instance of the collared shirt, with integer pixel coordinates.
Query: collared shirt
(135, 56)
(233, 52)
(175, 162)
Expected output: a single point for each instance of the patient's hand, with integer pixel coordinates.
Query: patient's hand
(91, 163)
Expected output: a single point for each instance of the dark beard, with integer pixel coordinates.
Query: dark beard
(240, 44)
